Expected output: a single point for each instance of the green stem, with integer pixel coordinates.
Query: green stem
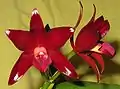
(49, 83)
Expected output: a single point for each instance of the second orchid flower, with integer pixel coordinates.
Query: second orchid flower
(88, 44)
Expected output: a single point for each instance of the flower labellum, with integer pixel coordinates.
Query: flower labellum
(40, 47)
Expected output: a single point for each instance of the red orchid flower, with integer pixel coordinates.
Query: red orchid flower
(41, 48)
(88, 44)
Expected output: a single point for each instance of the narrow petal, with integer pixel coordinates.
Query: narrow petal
(80, 15)
(104, 48)
(19, 69)
(93, 17)
(99, 59)
(91, 63)
(36, 24)
(102, 26)
(21, 39)
(61, 63)
(58, 36)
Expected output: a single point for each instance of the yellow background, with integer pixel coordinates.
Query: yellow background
(16, 14)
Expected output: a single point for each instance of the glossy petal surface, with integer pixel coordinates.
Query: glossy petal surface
(36, 24)
(58, 36)
(21, 66)
(61, 63)
(19, 38)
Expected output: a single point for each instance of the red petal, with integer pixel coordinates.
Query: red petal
(87, 38)
(91, 62)
(99, 21)
(62, 64)
(21, 39)
(99, 59)
(87, 58)
(19, 69)
(58, 36)
(36, 24)
(102, 26)
(104, 48)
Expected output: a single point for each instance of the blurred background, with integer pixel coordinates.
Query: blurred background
(16, 14)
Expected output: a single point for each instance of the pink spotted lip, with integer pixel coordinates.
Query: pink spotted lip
(42, 57)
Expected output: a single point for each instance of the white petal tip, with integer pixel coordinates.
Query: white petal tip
(71, 30)
(67, 72)
(17, 77)
(7, 32)
(35, 11)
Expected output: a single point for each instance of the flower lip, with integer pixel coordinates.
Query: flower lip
(104, 48)
(42, 59)
(40, 53)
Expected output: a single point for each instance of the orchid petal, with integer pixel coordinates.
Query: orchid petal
(102, 26)
(99, 59)
(19, 38)
(80, 16)
(91, 63)
(19, 69)
(87, 58)
(104, 48)
(99, 21)
(87, 38)
(58, 36)
(36, 24)
(61, 63)
(94, 13)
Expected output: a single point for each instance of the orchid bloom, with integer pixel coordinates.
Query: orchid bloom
(40, 47)
(88, 44)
